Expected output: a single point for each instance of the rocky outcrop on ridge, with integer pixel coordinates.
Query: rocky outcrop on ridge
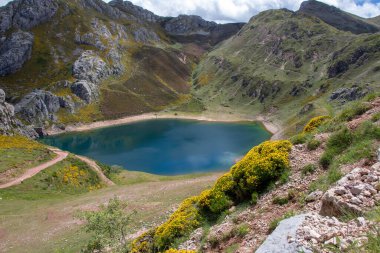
(349, 94)
(26, 14)
(137, 12)
(40, 106)
(15, 51)
(9, 125)
(90, 67)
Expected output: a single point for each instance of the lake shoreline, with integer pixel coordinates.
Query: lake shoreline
(274, 128)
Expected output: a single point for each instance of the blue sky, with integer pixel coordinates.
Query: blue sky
(242, 10)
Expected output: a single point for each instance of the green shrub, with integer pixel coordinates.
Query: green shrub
(327, 158)
(376, 117)
(308, 169)
(108, 226)
(284, 178)
(353, 110)
(299, 139)
(254, 198)
(241, 230)
(313, 144)
(340, 140)
(280, 200)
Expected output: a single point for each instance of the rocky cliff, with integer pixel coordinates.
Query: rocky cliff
(9, 125)
(87, 43)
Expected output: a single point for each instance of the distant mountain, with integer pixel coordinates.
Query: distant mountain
(375, 20)
(97, 60)
(289, 66)
(337, 18)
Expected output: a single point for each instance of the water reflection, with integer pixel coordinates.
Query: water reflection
(166, 147)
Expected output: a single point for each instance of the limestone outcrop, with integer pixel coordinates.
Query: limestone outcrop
(9, 124)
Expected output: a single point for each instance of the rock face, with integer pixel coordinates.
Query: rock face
(188, 24)
(337, 18)
(90, 67)
(282, 239)
(143, 35)
(40, 106)
(191, 28)
(349, 94)
(15, 51)
(136, 11)
(26, 14)
(318, 232)
(85, 90)
(356, 192)
(9, 125)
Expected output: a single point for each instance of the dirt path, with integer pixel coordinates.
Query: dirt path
(97, 169)
(61, 155)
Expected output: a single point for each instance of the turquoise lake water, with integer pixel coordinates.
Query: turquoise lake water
(165, 146)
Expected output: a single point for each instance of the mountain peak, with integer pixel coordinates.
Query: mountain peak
(337, 18)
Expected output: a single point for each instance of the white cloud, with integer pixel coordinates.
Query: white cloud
(243, 10)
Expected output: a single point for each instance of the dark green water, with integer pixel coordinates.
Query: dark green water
(165, 147)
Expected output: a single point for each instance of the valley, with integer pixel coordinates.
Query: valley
(125, 131)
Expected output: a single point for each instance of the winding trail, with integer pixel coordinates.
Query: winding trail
(61, 155)
(97, 169)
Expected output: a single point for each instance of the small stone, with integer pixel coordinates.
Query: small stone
(314, 234)
(332, 241)
(357, 189)
(355, 201)
(367, 193)
(361, 221)
(314, 196)
(340, 191)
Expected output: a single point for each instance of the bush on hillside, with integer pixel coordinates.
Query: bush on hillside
(179, 251)
(144, 243)
(314, 123)
(262, 165)
(184, 220)
(218, 198)
(353, 110)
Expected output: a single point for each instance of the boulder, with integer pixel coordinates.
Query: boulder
(283, 238)
(26, 14)
(90, 67)
(143, 35)
(349, 94)
(15, 51)
(37, 107)
(85, 90)
(9, 124)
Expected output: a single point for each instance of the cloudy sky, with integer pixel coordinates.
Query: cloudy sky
(242, 10)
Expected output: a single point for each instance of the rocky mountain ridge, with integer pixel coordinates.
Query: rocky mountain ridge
(89, 42)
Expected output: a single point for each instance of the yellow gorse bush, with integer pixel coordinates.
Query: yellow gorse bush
(314, 123)
(179, 251)
(182, 221)
(262, 165)
(74, 176)
(20, 142)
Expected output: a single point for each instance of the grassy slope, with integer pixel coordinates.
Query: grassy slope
(276, 53)
(153, 78)
(19, 154)
(49, 218)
